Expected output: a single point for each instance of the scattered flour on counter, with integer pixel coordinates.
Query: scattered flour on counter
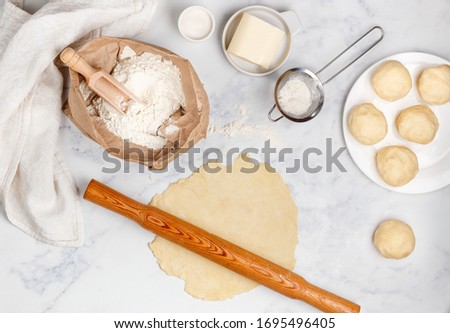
(242, 127)
(295, 98)
(157, 84)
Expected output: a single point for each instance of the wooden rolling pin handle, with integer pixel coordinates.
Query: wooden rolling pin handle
(72, 59)
(218, 250)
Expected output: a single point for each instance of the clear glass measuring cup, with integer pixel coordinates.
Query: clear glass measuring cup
(314, 84)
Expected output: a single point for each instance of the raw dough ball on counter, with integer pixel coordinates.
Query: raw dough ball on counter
(434, 84)
(367, 124)
(254, 210)
(394, 239)
(417, 124)
(391, 81)
(397, 165)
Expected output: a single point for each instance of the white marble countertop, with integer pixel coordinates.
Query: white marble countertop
(338, 212)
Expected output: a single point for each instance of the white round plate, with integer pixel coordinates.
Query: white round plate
(434, 158)
(271, 16)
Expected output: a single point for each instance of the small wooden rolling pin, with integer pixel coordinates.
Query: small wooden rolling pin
(218, 250)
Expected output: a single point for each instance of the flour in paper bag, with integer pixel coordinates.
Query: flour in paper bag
(156, 83)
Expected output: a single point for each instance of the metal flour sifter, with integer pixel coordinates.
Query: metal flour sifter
(314, 84)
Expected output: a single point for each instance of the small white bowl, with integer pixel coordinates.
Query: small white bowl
(183, 30)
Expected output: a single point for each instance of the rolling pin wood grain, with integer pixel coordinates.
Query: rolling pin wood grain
(102, 83)
(218, 250)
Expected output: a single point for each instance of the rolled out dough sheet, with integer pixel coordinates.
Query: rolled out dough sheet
(253, 210)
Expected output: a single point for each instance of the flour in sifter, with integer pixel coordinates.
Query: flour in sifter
(295, 98)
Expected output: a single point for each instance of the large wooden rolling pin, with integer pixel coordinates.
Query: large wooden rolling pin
(218, 250)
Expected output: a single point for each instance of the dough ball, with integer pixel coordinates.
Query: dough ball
(417, 124)
(434, 84)
(397, 165)
(394, 239)
(367, 124)
(391, 81)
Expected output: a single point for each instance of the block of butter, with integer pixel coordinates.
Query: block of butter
(256, 41)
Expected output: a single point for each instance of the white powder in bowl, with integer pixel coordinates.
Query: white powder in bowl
(157, 84)
(295, 98)
(196, 23)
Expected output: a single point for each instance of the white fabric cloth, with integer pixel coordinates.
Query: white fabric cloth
(37, 190)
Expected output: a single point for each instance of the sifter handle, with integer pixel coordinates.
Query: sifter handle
(371, 46)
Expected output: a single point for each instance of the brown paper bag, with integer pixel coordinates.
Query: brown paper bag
(192, 120)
